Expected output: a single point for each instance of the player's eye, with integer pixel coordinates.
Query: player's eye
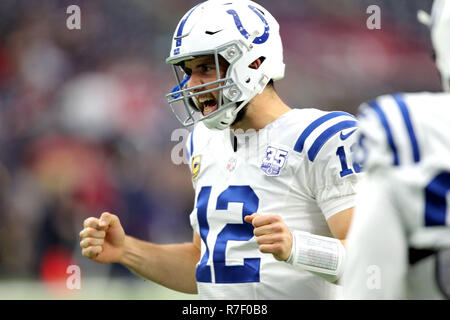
(206, 68)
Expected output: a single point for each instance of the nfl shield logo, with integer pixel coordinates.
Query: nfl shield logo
(231, 164)
(274, 161)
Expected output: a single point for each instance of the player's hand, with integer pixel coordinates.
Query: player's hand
(102, 240)
(272, 234)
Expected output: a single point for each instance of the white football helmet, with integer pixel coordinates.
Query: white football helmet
(240, 31)
(439, 23)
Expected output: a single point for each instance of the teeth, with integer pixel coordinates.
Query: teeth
(204, 99)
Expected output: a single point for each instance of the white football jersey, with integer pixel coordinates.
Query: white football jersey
(402, 208)
(298, 167)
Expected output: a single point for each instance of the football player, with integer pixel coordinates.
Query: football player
(274, 186)
(399, 240)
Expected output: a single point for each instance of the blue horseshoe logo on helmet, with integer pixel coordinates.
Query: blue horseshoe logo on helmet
(237, 21)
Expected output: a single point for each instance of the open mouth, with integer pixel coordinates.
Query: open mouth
(207, 105)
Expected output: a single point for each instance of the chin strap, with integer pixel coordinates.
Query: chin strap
(224, 118)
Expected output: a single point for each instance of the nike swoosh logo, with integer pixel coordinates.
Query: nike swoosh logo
(345, 136)
(213, 32)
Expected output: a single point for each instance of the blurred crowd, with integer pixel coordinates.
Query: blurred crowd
(84, 126)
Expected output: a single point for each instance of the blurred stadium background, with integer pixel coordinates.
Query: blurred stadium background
(84, 127)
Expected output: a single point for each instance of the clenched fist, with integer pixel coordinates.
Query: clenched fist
(102, 240)
(272, 234)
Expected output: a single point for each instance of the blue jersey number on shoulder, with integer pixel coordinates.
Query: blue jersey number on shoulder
(343, 159)
(249, 271)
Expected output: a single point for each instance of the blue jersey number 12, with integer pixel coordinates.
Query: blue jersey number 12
(249, 271)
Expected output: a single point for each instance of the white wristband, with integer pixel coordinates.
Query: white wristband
(318, 254)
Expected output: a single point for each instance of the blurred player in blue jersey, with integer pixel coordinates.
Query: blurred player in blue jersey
(399, 240)
(274, 186)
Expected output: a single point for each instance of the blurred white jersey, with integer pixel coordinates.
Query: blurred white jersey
(402, 212)
(298, 167)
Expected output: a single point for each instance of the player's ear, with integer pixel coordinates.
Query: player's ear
(255, 64)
